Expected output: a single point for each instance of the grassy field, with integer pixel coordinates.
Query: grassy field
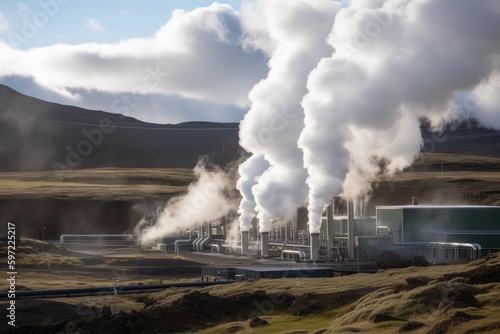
(461, 298)
(434, 177)
(432, 304)
(438, 178)
(472, 309)
(102, 183)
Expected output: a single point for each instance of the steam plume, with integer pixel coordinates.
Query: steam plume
(272, 126)
(249, 171)
(207, 199)
(392, 66)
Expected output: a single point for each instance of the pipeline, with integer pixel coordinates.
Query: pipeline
(217, 246)
(195, 241)
(289, 245)
(181, 242)
(302, 255)
(475, 248)
(62, 238)
(126, 289)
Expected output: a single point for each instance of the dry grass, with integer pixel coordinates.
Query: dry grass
(277, 324)
(135, 183)
(418, 304)
(101, 183)
(48, 260)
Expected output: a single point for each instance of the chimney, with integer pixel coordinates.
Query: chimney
(350, 229)
(264, 244)
(414, 201)
(329, 229)
(363, 205)
(357, 207)
(244, 243)
(314, 247)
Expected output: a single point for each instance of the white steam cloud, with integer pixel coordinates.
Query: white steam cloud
(393, 64)
(272, 126)
(249, 170)
(207, 199)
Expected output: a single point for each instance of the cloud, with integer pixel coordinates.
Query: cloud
(4, 25)
(273, 124)
(93, 24)
(196, 56)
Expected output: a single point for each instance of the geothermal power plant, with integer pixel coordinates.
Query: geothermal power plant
(441, 234)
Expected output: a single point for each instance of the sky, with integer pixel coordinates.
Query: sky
(77, 22)
(37, 36)
(330, 94)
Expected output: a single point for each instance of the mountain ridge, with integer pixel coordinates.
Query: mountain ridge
(37, 135)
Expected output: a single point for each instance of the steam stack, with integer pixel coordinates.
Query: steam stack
(264, 244)
(329, 229)
(314, 247)
(244, 243)
(350, 229)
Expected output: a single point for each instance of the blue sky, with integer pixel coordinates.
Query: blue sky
(75, 22)
(94, 53)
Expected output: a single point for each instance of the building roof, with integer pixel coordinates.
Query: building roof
(436, 207)
(335, 217)
(448, 232)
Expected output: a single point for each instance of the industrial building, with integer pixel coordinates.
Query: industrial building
(440, 233)
(461, 224)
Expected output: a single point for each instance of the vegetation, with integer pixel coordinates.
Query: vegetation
(462, 298)
(101, 183)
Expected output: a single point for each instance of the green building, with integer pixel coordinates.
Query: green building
(455, 224)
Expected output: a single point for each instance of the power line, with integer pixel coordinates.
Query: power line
(128, 127)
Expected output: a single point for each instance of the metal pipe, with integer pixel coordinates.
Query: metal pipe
(301, 254)
(314, 246)
(202, 243)
(217, 246)
(329, 230)
(101, 291)
(476, 248)
(201, 233)
(350, 230)
(181, 242)
(244, 243)
(264, 244)
(290, 245)
(62, 238)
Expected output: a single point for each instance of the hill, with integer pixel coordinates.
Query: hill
(36, 135)
(459, 298)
